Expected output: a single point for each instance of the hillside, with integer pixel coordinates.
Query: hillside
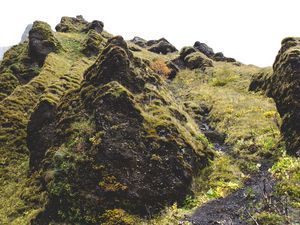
(99, 130)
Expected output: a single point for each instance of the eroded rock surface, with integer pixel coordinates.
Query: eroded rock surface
(106, 146)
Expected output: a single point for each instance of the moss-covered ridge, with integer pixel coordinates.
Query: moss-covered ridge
(283, 85)
(119, 141)
(21, 198)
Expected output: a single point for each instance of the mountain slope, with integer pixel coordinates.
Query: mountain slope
(98, 130)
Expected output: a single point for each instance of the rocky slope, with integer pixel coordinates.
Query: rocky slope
(99, 130)
(283, 85)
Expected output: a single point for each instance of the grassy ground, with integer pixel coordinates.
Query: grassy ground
(251, 124)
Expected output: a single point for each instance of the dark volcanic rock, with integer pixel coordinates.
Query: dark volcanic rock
(96, 25)
(285, 89)
(154, 42)
(71, 24)
(261, 82)
(173, 70)
(40, 133)
(103, 151)
(41, 42)
(219, 56)
(162, 47)
(205, 49)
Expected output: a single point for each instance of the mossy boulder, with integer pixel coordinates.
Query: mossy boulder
(185, 51)
(93, 44)
(285, 89)
(197, 60)
(71, 24)
(139, 42)
(42, 42)
(113, 145)
(78, 24)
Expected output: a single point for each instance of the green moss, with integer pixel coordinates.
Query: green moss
(117, 216)
(43, 32)
(8, 82)
(237, 113)
(71, 44)
(267, 218)
(15, 112)
(110, 184)
(71, 25)
(197, 60)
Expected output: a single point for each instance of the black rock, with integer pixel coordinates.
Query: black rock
(162, 47)
(205, 49)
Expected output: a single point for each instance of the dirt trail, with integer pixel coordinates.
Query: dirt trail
(237, 208)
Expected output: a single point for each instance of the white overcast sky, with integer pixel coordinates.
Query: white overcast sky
(248, 30)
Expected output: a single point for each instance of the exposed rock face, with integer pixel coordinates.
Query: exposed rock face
(204, 48)
(38, 143)
(102, 148)
(285, 89)
(154, 42)
(161, 46)
(262, 82)
(41, 42)
(96, 25)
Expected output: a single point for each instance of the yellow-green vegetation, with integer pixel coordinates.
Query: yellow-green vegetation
(150, 56)
(20, 196)
(222, 177)
(118, 216)
(248, 119)
(163, 114)
(71, 44)
(287, 171)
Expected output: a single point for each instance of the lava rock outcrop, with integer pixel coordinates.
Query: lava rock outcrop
(105, 146)
(41, 42)
(285, 89)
